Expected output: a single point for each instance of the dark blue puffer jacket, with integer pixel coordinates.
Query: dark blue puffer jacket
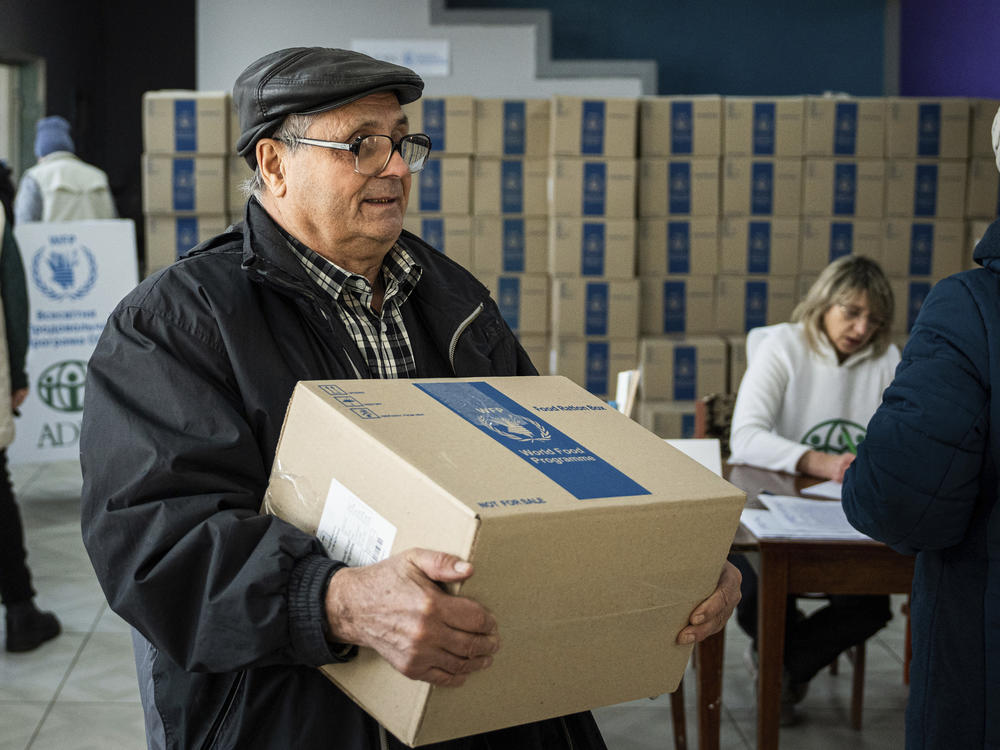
(925, 483)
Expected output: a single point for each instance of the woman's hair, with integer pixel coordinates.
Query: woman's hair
(293, 127)
(839, 283)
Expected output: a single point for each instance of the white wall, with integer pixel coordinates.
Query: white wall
(487, 59)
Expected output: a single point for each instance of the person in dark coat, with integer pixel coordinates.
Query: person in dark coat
(926, 482)
(232, 610)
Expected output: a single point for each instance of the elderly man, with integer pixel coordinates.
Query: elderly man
(233, 610)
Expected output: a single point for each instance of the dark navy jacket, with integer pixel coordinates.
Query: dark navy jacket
(925, 483)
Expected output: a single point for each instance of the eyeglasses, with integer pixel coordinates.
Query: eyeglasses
(853, 313)
(373, 152)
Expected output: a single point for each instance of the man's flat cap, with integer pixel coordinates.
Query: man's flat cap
(306, 80)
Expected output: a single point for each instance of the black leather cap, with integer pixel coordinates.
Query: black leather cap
(306, 80)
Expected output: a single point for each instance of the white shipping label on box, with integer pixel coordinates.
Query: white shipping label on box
(351, 530)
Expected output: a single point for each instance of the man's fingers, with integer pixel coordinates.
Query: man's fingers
(440, 566)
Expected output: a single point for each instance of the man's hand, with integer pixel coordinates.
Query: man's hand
(396, 608)
(711, 615)
(826, 465)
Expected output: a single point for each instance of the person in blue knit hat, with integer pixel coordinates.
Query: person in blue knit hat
(61, 186)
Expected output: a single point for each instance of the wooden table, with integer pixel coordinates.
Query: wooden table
(788, 566)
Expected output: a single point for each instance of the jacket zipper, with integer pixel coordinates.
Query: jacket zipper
(213, 736)
(458, 333)
(569, 739)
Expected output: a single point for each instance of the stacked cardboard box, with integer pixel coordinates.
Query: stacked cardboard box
(982, 198)
(185, 141)
(591, 213)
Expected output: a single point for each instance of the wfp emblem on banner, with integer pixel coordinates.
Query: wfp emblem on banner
(64, 269)
(513, 426)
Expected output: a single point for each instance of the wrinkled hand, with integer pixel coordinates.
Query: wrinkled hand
(711, 615)
(396, 608)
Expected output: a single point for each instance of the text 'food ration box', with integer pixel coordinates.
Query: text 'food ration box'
(592, 540)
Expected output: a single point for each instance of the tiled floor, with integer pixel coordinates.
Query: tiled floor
(79, 691)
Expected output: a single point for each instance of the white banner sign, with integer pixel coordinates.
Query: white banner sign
(77, 271)
(429, 58)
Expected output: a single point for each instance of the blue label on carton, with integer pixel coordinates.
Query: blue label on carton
(681, 128)
(679, 186)
(845, 129)
(756, 304)
(925, 190)
(514, 126)
(592, 252)
(761, 188)
(841, 239)
(185, 125)
(687, 426)
(918, 291)
(845, 188)
(435, 123)
(513, 246)
(509, 302)
(594, 188)
(759, 247)
(430, 186)
(678, 247)
(432, 232)
(595, 322)
(592, 128)
(566, 462)
(512, 186)
(674, 307)
(187, 233)
(685, 373)
(764, 123)
(184, 185)
(929, 133)
(921, 249)
(598, 367)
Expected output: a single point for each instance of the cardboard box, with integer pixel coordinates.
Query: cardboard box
(925, 188)
(523, 300)
(771, 126)
(920, 128)
(678, 246)
(601, 248)
(680, 126)
(674, 368)
(169, 236)
(982, 113)
(755, 246)
(679, 187)
(540, 476)
(444, 186)
(982, 197)
(761, 187)
(748, 302)
(537, 347)
(932, 249)
(909, 296)
(510, 187)
(677, 304)
(583, 307)
(974, 232)
(512, 127)
(449, 121)
(668, 419)
(451, 234)
(737, 346)
(510, 244)
(239, 172)
(853, 188)
(593, 362)
(824, 239)
(845, 126)
(594, 127)
(189, 122)
(184, 184)
(592, 187)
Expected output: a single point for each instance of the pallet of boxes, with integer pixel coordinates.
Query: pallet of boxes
(186, 140)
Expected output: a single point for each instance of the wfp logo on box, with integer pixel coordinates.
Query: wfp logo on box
(64, 269)
(512, 426)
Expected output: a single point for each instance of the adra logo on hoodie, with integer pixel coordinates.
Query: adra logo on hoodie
(835, 436)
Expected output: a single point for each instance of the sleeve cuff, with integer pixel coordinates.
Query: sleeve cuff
(306, 612)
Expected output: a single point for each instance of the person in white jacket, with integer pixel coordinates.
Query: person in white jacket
(802, 408)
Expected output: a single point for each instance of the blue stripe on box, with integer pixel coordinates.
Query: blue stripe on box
(756, 304)
(678, 247)
(921, 249)
(674, 307)
(761, 188)
(929, 130)
(592, 128)
(918, 290)
(593, 249)
(687, 426)
(845, 129)
(513, 246)
(594, 188)
(685, 373)
(595, 321)
(841, 239)
(925, 190)
(185, 125)
(509, 300)
(184, 185)
(514, 124)
(598, 364)
(187, 233)
(763, 128)
(566, 462)
(845, 188)
(759, 247)
(681, 128)
(679, 187)
(432, 232)
(512, 186)
(435, 123)
(430, 186)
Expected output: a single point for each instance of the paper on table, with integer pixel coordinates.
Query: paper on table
(799, 518)
(828, 489)
(705, 451)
